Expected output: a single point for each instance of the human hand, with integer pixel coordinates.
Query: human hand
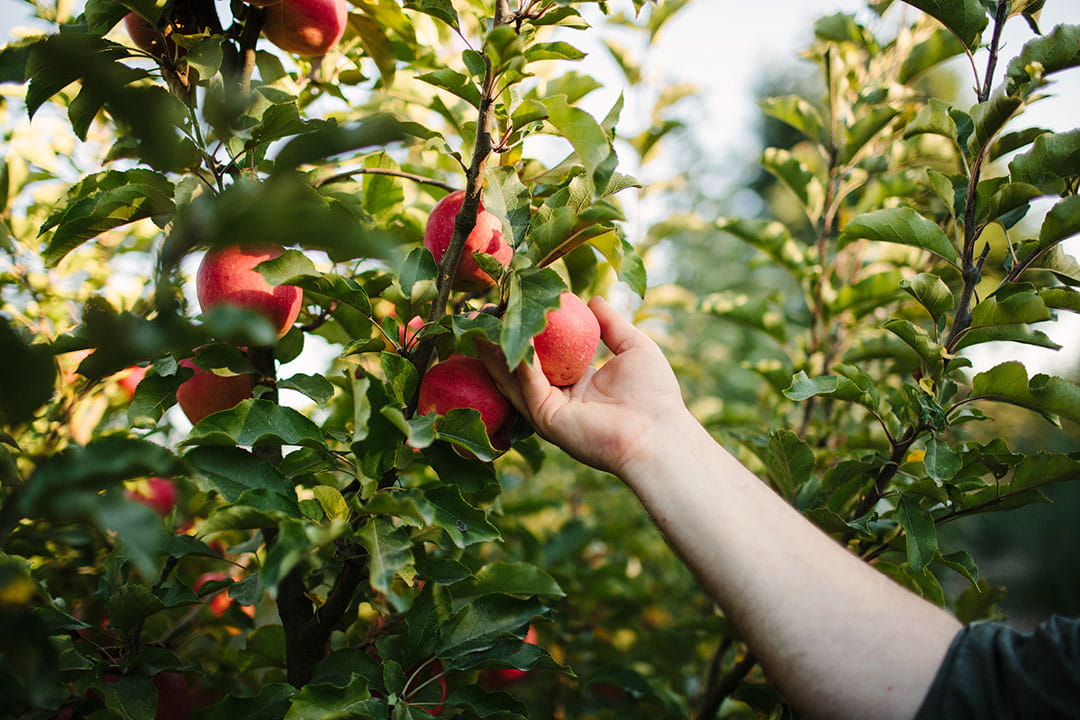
(612, 416)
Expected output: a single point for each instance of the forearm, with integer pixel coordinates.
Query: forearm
(838, 638)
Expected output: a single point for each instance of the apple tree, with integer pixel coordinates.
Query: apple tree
(232, 189)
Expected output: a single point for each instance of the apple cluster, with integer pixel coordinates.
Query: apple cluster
(308, 28)
(564, 349)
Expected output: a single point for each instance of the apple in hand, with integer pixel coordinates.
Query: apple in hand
(207, 392)
(566, 346)
(159, 497)
(500, 678)
(486, 237)
(462, 382)
(228, 275)
(306, 27)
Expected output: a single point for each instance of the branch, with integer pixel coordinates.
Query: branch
(249, 36)
(466, 217)
(726, 685)
(345, 175)
(995, 42)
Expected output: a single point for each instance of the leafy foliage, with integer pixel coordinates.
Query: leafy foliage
(330, 551)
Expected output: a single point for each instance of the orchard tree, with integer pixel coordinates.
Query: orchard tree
(385, 184)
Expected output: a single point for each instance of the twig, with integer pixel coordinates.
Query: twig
(724, 687)
(345, 175)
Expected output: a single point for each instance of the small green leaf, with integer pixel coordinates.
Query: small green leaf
(989, 117)
(552, 51)
(478, 625)
(455, 83)
(516, 578)
(938, 47)
(591, 144)
(1052, 158)
(389, 548)
(789, 461)
(796, 112)
(835, 386)
(933, 118)
(533, 291)
(941, 461)
(231, 470)
(864, 130)
(441, 9)
(920, 531)
(323, 702)
(205, 57)
(1057, 50)
(463, 523)
(316, 387)
(931, 292)
(35, 369)
(419, 267)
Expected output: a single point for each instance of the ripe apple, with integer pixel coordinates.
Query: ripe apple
(306, 27)
(207, 392)
(160, 496)
(566, 346)
(149, 38)
(462, 382)
(486, 237)
(131, 379)
(228, 275)
(500, 678)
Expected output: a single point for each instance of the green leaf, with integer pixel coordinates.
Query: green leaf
(35, 369)
(389, 548)
(966, 19)
(515, 578)
(485, 704)
(441, 9)
(377, 45)
(757, 313)
(378, 130)
(552, 51)
(1040, 469)
(872, 292)
(231, 470)
(864, 130)
(453, 82)
(1061, 223)
(932, 293)
(903, 226)
(796, 177)
(933, 118)
(508, 198)
(929, 351)
(104, 201)
(941, 461)
(1057, 50)
(205, 56)
(796, 112)
(1047, 395)
(533, 291)
(921, 533)
(316, 387)
(464, 524)
(789, 461)
(401, 377)
(420, 267)
(771, 238)
(989, 118)
(478, 625)
(289, 264)
(834, 386)
(1008, 198)
(130, 605)
(256, 422)
(938, 47)
(327, 702)
(1052, 158)
(269, 703)
(591, 144)
(1014, 303)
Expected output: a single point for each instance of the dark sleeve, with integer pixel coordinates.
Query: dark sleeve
(992, 671)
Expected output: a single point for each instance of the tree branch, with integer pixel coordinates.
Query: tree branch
(345, 175)
(715, 696)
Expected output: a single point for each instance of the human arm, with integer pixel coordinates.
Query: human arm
(837, 637)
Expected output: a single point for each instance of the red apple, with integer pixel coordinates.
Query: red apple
(207, 392)
(131, 379)
(160, 497)
(500, 678)
(566, 346)
(228, 275)
(306, 27)
(486, 237)
(148, 38)
(407, 333)
(462, 382)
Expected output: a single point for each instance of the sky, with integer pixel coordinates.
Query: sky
(723, 48)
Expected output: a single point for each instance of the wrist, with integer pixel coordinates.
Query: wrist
(669, 444)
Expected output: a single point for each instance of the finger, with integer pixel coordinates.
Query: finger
(535, 388)
(618, 333)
